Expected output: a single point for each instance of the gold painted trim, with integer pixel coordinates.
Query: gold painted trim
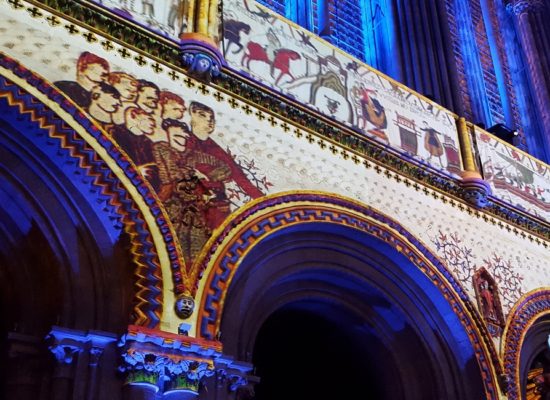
(156, 235)
(528, 326)
(471, 312)
(466, 146)
(201, 25)
(190, 16)
(213, 19)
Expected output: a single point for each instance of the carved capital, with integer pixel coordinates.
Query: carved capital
(95, 355)
(167, 361)
(65, 344)
(231, 379)
(519, 7)
(475, 190)
(64, 354)
(235, 375)
(200, 56)
(142, 368)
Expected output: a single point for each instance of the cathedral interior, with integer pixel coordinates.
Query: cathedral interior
(275, 199)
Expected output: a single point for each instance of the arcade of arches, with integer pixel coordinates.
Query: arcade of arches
(181, 218)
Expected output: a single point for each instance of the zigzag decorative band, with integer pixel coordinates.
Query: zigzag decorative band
(293, 209)
(97, 173)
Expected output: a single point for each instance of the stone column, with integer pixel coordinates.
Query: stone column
(532, 19)
(475, 189)
(64, 371)
(95, 354)
(199, 45)
(27, 364)
(169, 366)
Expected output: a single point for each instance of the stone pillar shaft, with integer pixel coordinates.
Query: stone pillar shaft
(531, 17)
(202, 17)
(466, 146)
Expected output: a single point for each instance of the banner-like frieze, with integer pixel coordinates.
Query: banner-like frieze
(207, 153)
(288, 58)
(514, 176)
(167, 18)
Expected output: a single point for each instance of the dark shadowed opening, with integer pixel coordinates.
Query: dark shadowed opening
(327, 352)
(326, 312)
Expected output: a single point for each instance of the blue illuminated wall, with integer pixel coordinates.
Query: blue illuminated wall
(340, 22)
(344, 27)
(276, 5)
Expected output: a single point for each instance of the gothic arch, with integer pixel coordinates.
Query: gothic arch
(72, 187)
(527, 329)
(286, 238)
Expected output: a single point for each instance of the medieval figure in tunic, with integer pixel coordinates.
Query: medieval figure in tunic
(91, 70)
(432, 144)
(193, 171)
(488, 301)
(204, 155)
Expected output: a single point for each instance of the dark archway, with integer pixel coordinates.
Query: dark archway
(67, 250)
(525, 342)
(331, 348)
(61, 262)
(330, 289)
(534, 369)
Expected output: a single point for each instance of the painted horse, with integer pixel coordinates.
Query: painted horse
(232, 34)
(281, 59)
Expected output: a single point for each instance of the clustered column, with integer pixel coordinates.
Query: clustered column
(532, 18)
(199, 44)
(169, 366)
(77, 371)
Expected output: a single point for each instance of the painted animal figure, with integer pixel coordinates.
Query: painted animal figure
(254, 52)
(282, 63)
(281, 59)
(232, 34)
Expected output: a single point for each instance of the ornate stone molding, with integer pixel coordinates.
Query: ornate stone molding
(476, 190)
(201, 57)
(528, 309)
(170, 363)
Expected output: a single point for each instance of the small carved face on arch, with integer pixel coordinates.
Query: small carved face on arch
(184, 306)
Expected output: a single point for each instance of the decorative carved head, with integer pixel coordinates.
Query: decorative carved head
(184, 306)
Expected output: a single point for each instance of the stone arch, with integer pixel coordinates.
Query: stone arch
(400, 268)
(83, 181)
(524, 338)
